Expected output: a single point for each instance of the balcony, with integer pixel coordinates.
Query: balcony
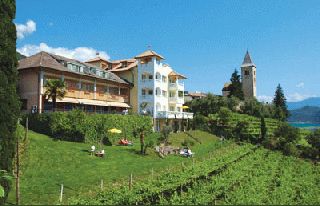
(176, 86)
(176, 100)
(174, 115)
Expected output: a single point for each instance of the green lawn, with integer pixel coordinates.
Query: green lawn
(48, 163)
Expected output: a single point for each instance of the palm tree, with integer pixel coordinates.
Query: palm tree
(55, 88)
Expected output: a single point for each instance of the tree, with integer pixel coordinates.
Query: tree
(241, 130)
(279, 102)
(314, 140)
(236, 86)
(286, 134)
(166, 130)
(9, 102)
(55, 88)
(263, 129)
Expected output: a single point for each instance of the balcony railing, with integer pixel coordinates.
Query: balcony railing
(176, 86)
(177, 100)
(174, 115)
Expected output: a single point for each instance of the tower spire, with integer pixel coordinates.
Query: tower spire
(247, 60)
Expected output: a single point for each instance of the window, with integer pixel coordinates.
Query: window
(87, 87)
(158, 91)
(110, 66)
(172, 108)
(164, 93)
(143, 91)
(246, 72)
(158, 76)
(124, 91)
(164, 78)
(180, 93)
(106, 90)
(179, 109)
(150, 92)
(150, 76)
(254, 72)
(114, 90)
(172, 94)
(143, 76)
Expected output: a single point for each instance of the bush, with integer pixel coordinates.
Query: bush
(187, 143)
(291, 149)
(80, 127)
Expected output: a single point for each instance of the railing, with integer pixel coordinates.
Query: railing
(179, 100)
(174, 115)
(176, 85)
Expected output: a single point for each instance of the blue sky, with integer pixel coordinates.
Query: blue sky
(205, 40)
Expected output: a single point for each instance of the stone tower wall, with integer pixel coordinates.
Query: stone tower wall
(248, 76)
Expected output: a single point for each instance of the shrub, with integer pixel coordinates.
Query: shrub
(291, 149)
(80, 127)
(187, 143)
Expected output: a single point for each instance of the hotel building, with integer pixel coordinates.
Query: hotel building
(88, 87)
(155, 88)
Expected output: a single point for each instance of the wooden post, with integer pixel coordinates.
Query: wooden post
(101, 184)
(130, 182)
(61, 193)
(17, 174)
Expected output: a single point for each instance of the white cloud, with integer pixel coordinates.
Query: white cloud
(300, 85)
(79, 53)
(265, 98)
(296, 97)
(26, 29)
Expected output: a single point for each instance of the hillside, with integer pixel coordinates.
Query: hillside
(48, 163)
(314, 101)
(305, 114)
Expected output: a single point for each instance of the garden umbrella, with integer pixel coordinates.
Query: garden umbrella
(114, 130)
(185, 107)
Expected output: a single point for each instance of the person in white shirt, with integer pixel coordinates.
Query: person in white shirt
(93, 148)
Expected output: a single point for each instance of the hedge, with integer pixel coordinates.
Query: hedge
(78, 126)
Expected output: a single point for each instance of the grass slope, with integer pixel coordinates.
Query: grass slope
(48, 163)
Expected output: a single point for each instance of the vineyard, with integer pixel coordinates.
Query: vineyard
(230, 174)
(254, 126)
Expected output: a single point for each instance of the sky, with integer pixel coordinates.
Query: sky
(204, 40)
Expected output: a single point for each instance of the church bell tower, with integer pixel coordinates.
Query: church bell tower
(248, 76)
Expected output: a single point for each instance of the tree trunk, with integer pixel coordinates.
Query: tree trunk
(54, 101)
(142, 142)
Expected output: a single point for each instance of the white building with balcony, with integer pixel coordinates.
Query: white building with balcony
(160, 91)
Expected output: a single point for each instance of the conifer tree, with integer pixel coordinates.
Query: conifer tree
(263, 128)
(236, 86)
(9, 103)
(280, 103)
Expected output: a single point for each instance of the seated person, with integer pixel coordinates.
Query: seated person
(189, 154)
(93, 148)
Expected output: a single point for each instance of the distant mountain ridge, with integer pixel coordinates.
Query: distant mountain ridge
(305, 114)
(313, 102)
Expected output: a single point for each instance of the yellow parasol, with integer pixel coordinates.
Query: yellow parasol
(114, 130)
(185, 107)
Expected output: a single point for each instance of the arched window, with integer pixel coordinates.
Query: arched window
(158, 91)
(158, 76)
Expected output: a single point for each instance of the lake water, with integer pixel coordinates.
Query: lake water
(305, 125)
